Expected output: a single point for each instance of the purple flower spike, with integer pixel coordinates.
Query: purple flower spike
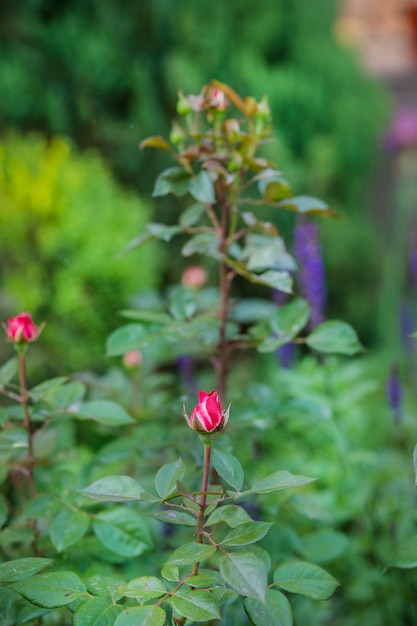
(186, 368)
(311, 273)
(402, 132)
(394, 393)
(413, 260)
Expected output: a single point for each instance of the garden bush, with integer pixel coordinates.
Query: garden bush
(64, 223)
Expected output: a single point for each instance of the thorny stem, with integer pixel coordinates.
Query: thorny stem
(201, 513)
(24, 396)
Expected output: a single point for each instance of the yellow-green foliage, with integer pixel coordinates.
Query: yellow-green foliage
(64, 222)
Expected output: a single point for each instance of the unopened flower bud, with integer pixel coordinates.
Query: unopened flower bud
(207, 416)
(22, 329)
(132, 359)
(194, 276)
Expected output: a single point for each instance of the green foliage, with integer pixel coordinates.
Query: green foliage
(63, 224)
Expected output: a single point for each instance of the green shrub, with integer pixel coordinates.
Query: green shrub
(64, 223)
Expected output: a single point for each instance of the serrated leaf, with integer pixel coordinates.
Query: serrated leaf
(145, 587)
(201, 188)
(118, 488)
(195, 604)
(19, 569)
(51, 590)
(231, 514)
(305, 578)
(245, 573)
(335, 337)
(123, 531)
(202, 580)
(229, 468)
(172, 516)
(280, 480)
(170, 572)
(104, 412)
(97, 612)
(275, 611)
(174, 180)
(141, 616)
(245, 534)
(191, 553)
(67, 528)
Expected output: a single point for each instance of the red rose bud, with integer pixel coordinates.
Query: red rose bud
(207, 416)
(22, 329)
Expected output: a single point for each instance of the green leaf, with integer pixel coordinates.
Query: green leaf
(170, 572)
(279, 480)
(285, 324)
(202, 243)
(13, 439)
(156, 141)
(116, 489)
(66, 395)
(126, 338)
(104, 412)
(229, 468)
(172, 516)
(207, 579)
(43, 390)
(324, 545)
(4, 511)
(183, 304)
(271, 278)
(97, 612)
(11, 571)
(405, 555)
(174, 180)
(123, 531)
(67, 528)
(334, 337)
(105, 586)
(191, 553)
(275, 188)
(192, 214)
(305, 578)
(195, 604)
(143, 588)
(245, 573)
(201, 188)
(231, 514)
(141, 616)
(415, 464)
(8, 371)
(275, 611)
(247, 533)
(163, 231)
(167, 476)
(51, 590)
(308, 205)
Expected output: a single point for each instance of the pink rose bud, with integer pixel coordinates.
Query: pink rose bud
(218, 99)
(132, 359)
(207, 416)
(194, 276)
(22, 329)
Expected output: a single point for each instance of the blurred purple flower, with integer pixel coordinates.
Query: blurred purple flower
(394, 393)
(311, 273)
(413, 259)
(402, 132)
(186, 369)
(286, 353)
